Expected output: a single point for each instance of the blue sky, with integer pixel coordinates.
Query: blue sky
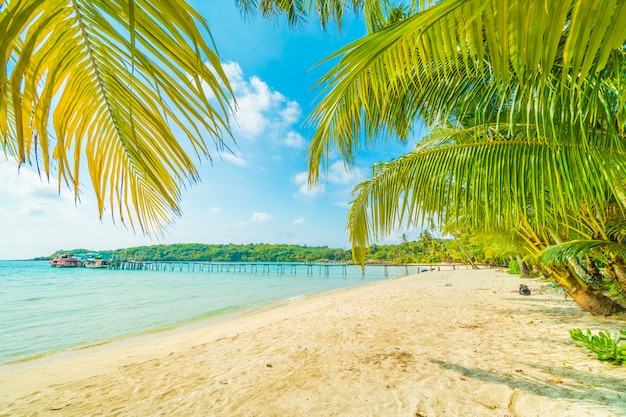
(257, 195)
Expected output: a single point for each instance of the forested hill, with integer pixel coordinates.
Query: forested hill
(222, 253)
(425, 249)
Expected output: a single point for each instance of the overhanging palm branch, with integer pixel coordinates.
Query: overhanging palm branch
(600, 236)
(493, 184)
(596, 249)
(119, 84)
(521, 48)
(329, 12)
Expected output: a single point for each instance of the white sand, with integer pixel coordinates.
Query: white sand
(457, 343)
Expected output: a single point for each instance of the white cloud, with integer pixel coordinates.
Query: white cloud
(234, 73)
(338, 174)
(301, 179)
(344, 204)
(294, 139)
(31, 197)
(234, 159)
(300, 220)
(261, 111)
(338, 183)
(259, 217)
(24, 183)
(215, 210)
(291, 113)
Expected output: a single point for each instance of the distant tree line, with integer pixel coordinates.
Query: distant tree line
(424, 249)
(223, 253)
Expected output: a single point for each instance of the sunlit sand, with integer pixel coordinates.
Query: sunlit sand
(450, 343)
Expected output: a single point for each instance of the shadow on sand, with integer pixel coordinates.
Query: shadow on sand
(573, 385)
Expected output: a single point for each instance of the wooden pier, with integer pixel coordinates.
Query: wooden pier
(322, 268)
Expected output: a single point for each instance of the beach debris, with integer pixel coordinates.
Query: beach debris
(524, 290)
(269, 365)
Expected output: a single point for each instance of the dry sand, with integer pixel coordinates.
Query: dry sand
(457, 343)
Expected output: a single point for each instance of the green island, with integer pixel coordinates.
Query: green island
(424, 249)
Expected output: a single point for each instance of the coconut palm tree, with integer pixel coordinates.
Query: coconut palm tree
(596, 240)
(530, 110)
(462, 182)
(112, 84)
(465, 57)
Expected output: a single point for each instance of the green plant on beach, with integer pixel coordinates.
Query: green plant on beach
(513, 268)
(606, 347)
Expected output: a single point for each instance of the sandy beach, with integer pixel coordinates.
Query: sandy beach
(454, 343)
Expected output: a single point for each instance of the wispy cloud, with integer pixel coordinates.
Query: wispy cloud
(338, 184)
(32, 196)
(259, 217)
(306, 192)
(338, 174)
(234, 159)
(295, 140)
(300, 220)
(215, 210)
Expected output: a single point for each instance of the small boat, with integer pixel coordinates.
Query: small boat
(97, 261)
(66, 260)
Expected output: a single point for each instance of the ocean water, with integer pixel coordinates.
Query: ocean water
(45, 310)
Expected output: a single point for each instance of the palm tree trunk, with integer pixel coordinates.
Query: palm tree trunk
(619, 275)
(584, 295)
(469, 258)
(581, 271)
(593, 271)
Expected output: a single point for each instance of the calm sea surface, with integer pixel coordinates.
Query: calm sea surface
(45, 310)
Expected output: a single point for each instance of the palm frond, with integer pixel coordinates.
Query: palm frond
(117, 84)
(597, 249)
(492, 184)
(329, 12)
(536, 63)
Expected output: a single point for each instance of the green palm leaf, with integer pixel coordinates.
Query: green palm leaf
(490, 184)
(597, 249)
(542, 61)
(115, 84)
(327, 11)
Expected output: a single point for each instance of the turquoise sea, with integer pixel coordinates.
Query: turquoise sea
(46, 310)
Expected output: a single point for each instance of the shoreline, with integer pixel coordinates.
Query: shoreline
(165, 335)
(451, 343)
(45, 322)
(173, 329)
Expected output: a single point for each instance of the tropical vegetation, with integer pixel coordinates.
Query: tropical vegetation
(196, 252)
(526, 115)
(424, 249)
